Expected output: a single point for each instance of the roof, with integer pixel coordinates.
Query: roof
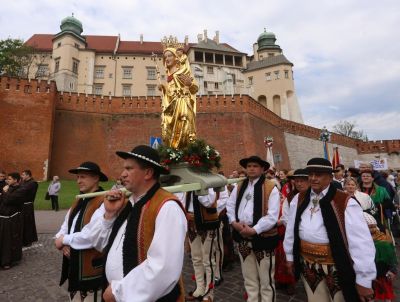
(140, 47)
(107, 44)
(41, 42)
(267, 62)
(212, 45)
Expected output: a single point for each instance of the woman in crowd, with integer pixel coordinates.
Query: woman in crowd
(53, 190)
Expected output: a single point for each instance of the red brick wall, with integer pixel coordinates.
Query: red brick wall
(88, 127)
(26, 123)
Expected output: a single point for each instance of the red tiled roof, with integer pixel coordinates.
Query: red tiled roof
(41, 42)
(137, 47)
(101, 43)
(106, 44)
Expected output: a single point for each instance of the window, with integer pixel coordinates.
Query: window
(126, 90)
(71, 86)
(210, 70)
(268, 76)
(98, 89)
(57, 65)
(233, 78)
(151, 90)
(110, 75)
(198, 56)
(205, 84)
(216, 85)
(250, 80)
(151, 73)
(58, 44)
(270, 54)
(75, 65)
(276, 74)
(286, 74)
(228, 60)
(76, 45)
(219, 59)
(42, 70)
(99, 72)
(238, 61)
(209, 57)
(127, 72)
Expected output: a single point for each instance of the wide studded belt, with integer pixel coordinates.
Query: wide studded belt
(316, 252)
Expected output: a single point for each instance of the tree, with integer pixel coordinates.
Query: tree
(347, 128)
(16, 58)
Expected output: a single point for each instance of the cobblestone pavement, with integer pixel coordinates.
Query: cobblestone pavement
(36, 277)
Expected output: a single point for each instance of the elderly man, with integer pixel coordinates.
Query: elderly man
(327, 241)
(253, 210)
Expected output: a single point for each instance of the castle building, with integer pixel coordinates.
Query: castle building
(109, 66)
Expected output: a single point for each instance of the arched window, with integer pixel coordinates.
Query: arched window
(276, 100)
(262, 99)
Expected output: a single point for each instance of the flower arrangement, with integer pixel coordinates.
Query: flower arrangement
(197, 154)
(268, 141)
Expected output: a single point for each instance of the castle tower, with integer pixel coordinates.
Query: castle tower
(270, 78)
(66, 65)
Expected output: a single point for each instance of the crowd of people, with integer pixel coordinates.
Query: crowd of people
(17, 219)
(282, 225)
(332, 228)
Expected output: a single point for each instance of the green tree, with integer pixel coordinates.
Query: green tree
(347, 128)
(16, 58)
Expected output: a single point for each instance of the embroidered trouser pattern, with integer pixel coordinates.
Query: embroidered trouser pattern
(219, 252)
(258, 269)
(321, 282)
(202, 246)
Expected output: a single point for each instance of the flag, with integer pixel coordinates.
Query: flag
(270, 157)
(336, 157)
(326, 151)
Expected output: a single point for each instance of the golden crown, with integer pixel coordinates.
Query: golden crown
(171, 42)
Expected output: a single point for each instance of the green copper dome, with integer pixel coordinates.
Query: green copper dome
(267, 41)
(71, 24)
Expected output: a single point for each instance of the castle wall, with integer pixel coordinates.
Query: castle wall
(89, 127)
(27, 116)
(51, 132)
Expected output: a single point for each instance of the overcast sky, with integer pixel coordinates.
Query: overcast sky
(346, 53)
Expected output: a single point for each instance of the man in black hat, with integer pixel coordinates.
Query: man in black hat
(143, 237)
(253, 210)
(82, 265)
(327, 241)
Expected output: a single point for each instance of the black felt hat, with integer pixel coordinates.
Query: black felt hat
(320, 165)
(89, 166)
(146, 154)
(300, 173)
(254, 159)
(354, 171)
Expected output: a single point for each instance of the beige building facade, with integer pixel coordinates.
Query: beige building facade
(109, 66)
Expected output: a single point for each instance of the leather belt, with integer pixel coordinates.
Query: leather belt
(316, 252)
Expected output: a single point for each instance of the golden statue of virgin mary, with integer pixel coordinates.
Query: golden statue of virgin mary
(178, 118)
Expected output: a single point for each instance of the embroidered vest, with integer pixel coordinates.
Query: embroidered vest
(267, 240)
(204, 218)
(146, 228)
(333, 213)
(85, 271)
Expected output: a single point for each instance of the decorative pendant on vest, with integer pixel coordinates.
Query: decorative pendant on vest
(315, 207)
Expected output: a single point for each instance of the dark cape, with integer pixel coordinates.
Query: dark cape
(11, 204)
(29, 225)
(337, 242)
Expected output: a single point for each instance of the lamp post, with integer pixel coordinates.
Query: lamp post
(325, 137)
